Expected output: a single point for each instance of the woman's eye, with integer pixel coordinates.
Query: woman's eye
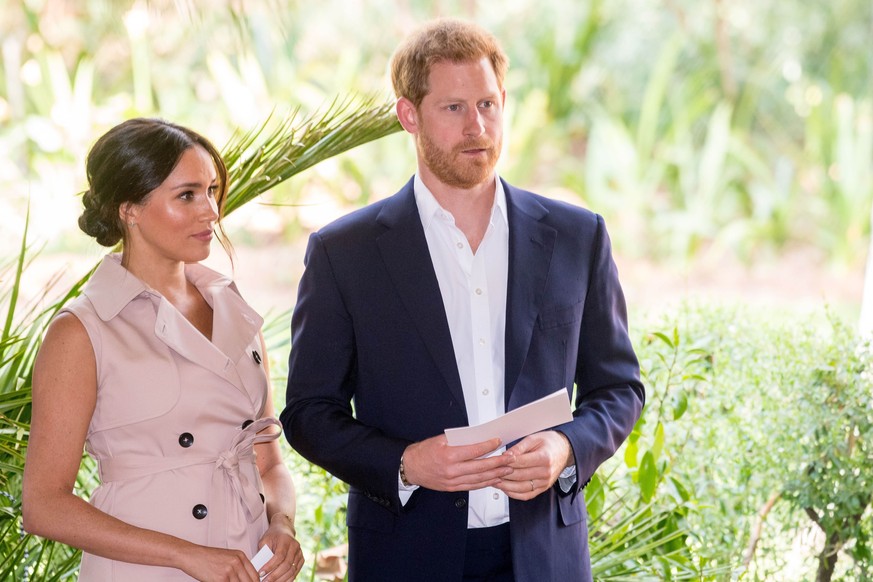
(188, 195)
(213, 190)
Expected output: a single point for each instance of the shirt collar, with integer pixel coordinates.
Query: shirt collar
(428, 207)
(112, 287)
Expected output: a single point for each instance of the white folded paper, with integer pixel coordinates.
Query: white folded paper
(262, 557)
(535, 416)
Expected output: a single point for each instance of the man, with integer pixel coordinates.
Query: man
(455, 300)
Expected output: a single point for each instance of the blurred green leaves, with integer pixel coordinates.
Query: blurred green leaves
(735, 128)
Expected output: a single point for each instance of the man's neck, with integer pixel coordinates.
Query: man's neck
(471, 207)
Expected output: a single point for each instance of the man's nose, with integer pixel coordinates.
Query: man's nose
(474, 122)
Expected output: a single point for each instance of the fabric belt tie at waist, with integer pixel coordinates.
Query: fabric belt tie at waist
(226, 475)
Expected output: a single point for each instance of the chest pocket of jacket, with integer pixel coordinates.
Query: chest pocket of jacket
(552, 317)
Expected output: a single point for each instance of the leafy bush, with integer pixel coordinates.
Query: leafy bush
(778, 434)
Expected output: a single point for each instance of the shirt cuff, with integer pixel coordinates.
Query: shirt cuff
(405, 492)
(566, 480)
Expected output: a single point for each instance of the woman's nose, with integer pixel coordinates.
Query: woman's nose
(210, 209)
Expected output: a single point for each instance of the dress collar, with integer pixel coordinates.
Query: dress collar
(112, 287)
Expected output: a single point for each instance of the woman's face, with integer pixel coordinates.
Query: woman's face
(176, 221)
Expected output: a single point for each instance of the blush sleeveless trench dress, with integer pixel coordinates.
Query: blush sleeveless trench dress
(176, 416)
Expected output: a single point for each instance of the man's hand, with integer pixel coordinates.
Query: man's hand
(539, 460)
(432, 463)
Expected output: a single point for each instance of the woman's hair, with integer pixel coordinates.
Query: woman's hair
(444, 39)
(128, 162)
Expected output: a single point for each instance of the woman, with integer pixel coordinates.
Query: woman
(159, 370)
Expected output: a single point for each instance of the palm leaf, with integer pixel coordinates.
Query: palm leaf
(19, 269)
(269, 154)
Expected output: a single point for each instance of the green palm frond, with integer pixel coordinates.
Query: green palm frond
(276, 150)
(645, 542)
(16, 284)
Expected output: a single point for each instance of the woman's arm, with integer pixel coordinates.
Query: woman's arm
(64, 397)
(281, 500)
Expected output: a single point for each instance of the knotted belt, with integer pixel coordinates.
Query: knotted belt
(226, 475)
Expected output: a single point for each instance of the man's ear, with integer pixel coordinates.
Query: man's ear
(407, 114)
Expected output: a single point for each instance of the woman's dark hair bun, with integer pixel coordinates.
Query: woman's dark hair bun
(93, 222)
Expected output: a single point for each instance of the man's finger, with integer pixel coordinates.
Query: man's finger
(476, 450)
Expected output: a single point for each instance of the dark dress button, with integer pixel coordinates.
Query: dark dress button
(460, 503)
(256, 356)
(246, 424)
(199, 511)
(186, 439)
(263, 499)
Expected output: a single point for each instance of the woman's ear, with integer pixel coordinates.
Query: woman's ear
(407, 114)
(128, 212)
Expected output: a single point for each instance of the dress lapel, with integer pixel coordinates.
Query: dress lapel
(235, 326)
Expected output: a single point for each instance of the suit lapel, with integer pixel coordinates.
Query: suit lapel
(530, 254)
(404, 250)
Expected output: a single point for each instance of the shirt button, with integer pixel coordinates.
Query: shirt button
(485, 392)
(481, 341)
(186, 439)
(460, 245)
(199, 511)
(478, 291)
(495, 496)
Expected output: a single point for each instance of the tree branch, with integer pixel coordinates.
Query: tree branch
(759, 525)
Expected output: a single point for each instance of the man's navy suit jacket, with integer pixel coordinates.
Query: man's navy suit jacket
(370, 327)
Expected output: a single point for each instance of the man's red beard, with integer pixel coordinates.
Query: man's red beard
(453, 168)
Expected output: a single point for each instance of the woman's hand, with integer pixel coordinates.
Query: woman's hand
(218, 564)
(287, 560)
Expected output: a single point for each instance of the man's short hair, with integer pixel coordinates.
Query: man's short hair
(445, 39)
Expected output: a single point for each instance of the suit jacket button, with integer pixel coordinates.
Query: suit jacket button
(199, 511)
(186, 439)
(460, 503)
(263, 500)
(246, 424)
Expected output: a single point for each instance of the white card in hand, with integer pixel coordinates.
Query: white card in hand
(535, 416)
(262, 557)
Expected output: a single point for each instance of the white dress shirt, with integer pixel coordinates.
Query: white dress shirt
(473, 288)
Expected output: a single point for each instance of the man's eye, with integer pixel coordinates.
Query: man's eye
(453, 107)
(487, 104)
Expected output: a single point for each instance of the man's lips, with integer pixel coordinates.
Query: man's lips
(474, 151)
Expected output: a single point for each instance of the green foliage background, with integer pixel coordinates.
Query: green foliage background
(744, 127)
(698, 129)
